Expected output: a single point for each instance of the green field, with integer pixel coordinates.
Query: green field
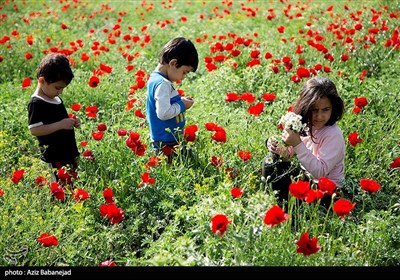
(251, 48)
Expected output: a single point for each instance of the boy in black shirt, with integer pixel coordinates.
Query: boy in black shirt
(48, 118)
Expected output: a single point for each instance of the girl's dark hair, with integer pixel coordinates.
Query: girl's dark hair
(182, 50)
(55, 67)
(313, 90)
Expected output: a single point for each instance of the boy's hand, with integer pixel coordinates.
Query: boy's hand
(67, 123)
(188, 101)
(77, 122)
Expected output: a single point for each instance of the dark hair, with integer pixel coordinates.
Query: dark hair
(182, 50)
(313, 90)
(55, 67)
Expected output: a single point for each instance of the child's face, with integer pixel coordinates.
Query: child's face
(178, 74)
(321, 112)
(52, 90)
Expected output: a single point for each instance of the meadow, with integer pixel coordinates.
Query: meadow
(209, 207)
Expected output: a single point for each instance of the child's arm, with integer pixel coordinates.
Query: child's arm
(45, 129)
(164, 109)
(329, 154)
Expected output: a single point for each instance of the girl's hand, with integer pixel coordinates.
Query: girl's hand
(290, 137)
(272, 146)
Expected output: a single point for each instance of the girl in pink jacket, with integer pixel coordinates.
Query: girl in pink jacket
(320, 150)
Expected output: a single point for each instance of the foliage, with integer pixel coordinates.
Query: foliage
(168, 223)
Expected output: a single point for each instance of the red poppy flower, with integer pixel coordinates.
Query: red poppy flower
(395, 163)
(26, 82)
(217, 161)
(244, 155)
(29, 40)
(356, 110)
(269, 96)
(113, 213)
(256, 109)
(94, 81)
(363, 74)
(211, 67)
(307, 246)
(219, 136)
(40, 181)
(106, 68)
(139, 114)
(274, 216)
(344, 57)
(47, 240)
(107, 263)
(91, 111)
(254, 53)
(65, 176)
(268, 55)
(275, 69)
(2, 193)
(167, 150)
(326, 186)
(146, 179)
(343, 207)
(76, 107)
(101, 127)
(122, 132)
(64, 26)
(296, 79)
(236, 192)
(303, 72)
(28, 55)
(135, 144)
(248, 97)
(88, 155)
(85, 57)
(231, 96)
(327, 69)
(17, 176)
(219, 224)
(83, 143)
(361, 102)
(108, 195)
(80, 195)
(153, 160)
(313, 195)
(97, 135)
(189, 132)
(354, 139)
(369, 185)
(57, 191)
(299, 189)
(253, 62)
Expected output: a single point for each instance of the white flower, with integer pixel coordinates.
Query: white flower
(293, 121)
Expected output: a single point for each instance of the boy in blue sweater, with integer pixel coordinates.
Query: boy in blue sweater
(165, 107)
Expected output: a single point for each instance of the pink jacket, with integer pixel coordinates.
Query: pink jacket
(325, 157)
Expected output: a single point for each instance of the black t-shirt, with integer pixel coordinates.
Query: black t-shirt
(57, 146)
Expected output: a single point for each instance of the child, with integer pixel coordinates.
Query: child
(48, 118)
(321, 150)
(165, 107)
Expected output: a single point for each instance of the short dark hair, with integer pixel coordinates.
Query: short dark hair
(55, 67)
(181, 49)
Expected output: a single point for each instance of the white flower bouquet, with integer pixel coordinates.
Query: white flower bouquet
(289, 120)
(293, 121)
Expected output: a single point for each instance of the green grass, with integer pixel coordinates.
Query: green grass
(168, 223)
